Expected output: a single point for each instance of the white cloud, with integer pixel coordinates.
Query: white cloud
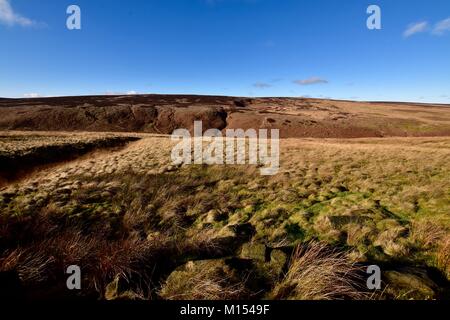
(262, 85)
(119, 93)
(11, 18)
(441, 27)
(415, 28)
(310, 81)
(31, 95)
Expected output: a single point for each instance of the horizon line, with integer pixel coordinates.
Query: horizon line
(227, 96)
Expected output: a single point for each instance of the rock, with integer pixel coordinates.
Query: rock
(278, 261)
(254, 251)
(337, 222)
(410, 285)
(119, 289)
(267, 267)
(244, 230)
(202, 280)
(225, 243)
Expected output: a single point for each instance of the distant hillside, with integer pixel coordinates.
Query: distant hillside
(164, 113)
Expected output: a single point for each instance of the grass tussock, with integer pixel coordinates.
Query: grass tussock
(317, 272)
(443, 256)
(426, 234)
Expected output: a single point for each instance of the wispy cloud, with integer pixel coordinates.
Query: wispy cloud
(32, 95)
(121, 93)
(439, 28)
(415, 28)
(262, 85)
(310, 81)
(11, 18)
(442, 27)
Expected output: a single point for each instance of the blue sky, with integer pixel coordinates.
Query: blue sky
(319, 48)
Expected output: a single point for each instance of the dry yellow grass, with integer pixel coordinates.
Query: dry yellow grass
(316, 272)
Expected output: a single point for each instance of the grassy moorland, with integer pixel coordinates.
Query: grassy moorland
(141, 228)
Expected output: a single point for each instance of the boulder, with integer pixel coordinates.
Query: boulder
(119, 289)
(254, 251)
(278, 260)
(408, 284)
(204, 280)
